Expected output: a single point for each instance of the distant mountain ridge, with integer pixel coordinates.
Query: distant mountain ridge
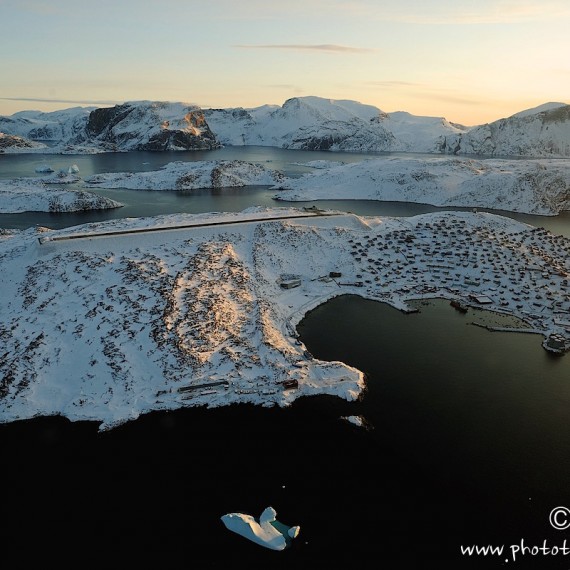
(45, 127)
(306, 123)
(136, 125)
(314, 123)
(538, 133)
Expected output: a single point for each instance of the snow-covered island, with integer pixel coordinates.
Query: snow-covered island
(190, 176)
(108, 321)
(540, 186)
(45, 195)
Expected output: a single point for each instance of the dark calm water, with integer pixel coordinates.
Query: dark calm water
(470, 439)
(469, 444)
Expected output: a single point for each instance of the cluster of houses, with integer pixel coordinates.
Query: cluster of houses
(525, 273)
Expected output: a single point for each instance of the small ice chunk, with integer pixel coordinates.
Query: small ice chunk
(293, 532)
(356, 420)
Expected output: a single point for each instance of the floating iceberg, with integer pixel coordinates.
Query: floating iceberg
(267, 531)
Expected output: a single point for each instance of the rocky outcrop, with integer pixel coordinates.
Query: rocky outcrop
(13, 142)
(146, 125)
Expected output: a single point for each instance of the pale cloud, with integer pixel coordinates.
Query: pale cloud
(307, 47)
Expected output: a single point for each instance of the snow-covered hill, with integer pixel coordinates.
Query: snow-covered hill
(315, 123)
(540, 186)
(543, 131)
(108, 321)
(46, 195)
(190, 176)
(57, 126)
(15, 143)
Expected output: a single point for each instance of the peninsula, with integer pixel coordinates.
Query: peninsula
(108, 321)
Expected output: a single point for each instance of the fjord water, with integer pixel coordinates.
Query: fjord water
(470, 439)
(468, 444)
(140, 203)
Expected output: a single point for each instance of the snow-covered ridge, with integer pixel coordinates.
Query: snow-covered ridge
(539, 109)
(46, 195)
(527, 186)
(108, 327)
(315, 123)
(309, 123)
(540, 132)
(190, 176)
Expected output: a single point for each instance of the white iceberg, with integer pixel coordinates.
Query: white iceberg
(294, 531)
(267, 531)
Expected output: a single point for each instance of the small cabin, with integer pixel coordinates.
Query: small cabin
(290, 384)
(481, 299)
(290, 283)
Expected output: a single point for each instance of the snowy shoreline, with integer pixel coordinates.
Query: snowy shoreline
(540, 186)
(108, 327)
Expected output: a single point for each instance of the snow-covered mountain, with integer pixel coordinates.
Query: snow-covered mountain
(543, 131)
(315, 123)
(59, 126)
(308, 123)
(137, 125)
(148, 125)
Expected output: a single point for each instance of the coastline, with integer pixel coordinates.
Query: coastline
(204, 319)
